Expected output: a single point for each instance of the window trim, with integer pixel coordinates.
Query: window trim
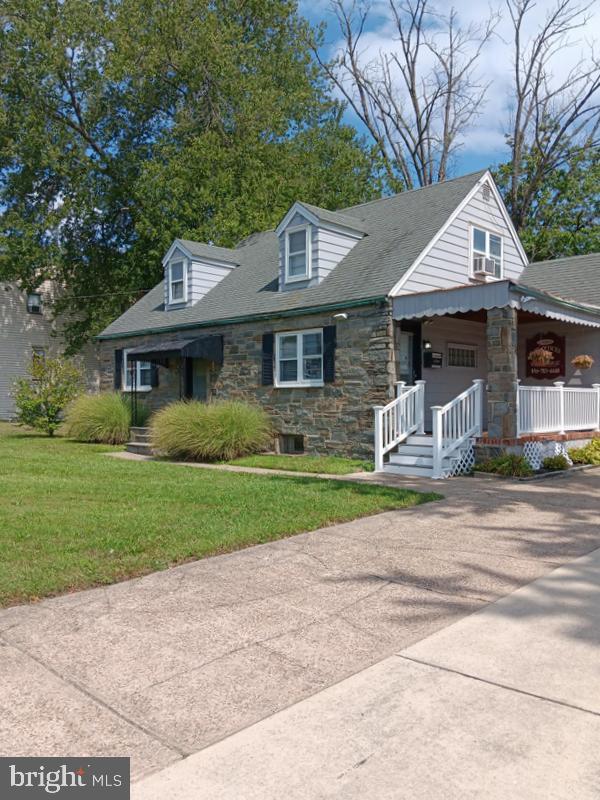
(472, 252)
(39, 305)
(140, 387)
(299, 382)
(308, 253)
(462, 346)
(178, 301)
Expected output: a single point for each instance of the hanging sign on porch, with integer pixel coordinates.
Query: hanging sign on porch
(545, 356)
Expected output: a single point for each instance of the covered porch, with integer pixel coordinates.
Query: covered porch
(491, 361)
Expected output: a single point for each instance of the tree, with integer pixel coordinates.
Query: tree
(40, 399)
(126, 122)
(417, 101)
(555, 122)
(564, 218)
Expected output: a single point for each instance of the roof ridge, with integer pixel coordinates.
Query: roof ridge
(479, 172)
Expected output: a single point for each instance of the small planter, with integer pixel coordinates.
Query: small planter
(582, 362)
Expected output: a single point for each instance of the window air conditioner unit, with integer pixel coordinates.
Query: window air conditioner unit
(484, 266)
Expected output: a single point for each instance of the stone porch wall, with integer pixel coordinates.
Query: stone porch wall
(335, 419)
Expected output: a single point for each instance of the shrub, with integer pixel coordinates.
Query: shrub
(555, 463)
(589, 454)
(210, 431)
(102, 418)
(509, 465)
(41, 398)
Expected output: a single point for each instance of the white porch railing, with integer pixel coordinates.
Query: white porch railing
(558, 408)
(396, 421)
(454, 423)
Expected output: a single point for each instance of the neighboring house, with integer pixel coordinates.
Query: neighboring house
(28, 330)
(427, 295)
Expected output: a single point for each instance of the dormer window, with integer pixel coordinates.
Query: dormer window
(177, 282)
(34, 303)
(297, 253)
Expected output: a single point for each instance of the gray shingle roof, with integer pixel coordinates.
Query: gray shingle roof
(399, 228)
(337, 218)
(574, 277)
(210, 251)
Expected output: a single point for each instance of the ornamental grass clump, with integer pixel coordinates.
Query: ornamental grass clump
(217, 431)
(104, 418)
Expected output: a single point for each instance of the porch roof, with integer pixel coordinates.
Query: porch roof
(208, 347)
(498, 294)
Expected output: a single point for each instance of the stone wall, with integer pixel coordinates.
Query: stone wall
(335, 419)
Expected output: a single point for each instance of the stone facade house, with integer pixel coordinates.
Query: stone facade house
(408, 329)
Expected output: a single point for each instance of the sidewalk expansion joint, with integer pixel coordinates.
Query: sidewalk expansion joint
(513, 689)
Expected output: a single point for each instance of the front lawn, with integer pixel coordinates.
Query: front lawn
(323, 465)
(72, 518)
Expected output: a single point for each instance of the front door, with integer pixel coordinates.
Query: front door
(196, 379)
(405, 356)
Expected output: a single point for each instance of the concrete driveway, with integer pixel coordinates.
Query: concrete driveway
(160, 667)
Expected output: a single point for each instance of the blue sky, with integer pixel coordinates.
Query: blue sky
(484, 144)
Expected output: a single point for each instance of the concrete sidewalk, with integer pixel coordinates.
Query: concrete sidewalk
(160, 667)
(503, 704)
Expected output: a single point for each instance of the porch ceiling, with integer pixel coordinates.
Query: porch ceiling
(468, 300)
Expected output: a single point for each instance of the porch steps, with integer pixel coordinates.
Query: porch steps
(140, 442)
(414, 458)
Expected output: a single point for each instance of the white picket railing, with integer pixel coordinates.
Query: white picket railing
(454, 423)
(396, 421)
(558, 408)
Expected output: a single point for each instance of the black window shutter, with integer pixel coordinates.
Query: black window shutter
(154, 375)
(118, 370)
(329, 353)
(268, 341)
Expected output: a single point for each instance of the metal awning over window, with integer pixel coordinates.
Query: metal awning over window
(208, 347)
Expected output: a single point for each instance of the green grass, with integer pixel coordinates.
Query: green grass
(72, 518)
(325, 465)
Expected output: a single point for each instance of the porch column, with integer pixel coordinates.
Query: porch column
(502, 372)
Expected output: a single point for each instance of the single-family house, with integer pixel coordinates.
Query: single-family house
(409, 329)
(28, 330)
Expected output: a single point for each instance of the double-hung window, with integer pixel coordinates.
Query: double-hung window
(177, 282)
(299, 358)
(297, 253)
(34, 303)
(489, 245)
(142, 370)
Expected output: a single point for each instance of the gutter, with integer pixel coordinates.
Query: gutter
(296, 312)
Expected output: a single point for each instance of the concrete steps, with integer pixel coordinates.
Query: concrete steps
(140, 441)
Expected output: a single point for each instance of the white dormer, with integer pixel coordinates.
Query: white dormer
(312, 241)
(192, 269)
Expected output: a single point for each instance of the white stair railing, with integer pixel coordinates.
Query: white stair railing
(558, 408)
(454, 423)
(396, 421)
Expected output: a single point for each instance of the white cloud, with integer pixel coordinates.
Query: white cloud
(487, 135)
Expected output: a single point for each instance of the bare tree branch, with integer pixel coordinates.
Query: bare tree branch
(551, 119)
(417, 101)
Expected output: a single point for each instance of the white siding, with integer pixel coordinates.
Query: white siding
(20, 332)
(328, 248)
(447, 263)
(579, 340)
(202, 276)
(331, 247)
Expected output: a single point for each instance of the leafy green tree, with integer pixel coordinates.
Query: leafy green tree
(41, 398)
(564, 215)
(126, 122)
